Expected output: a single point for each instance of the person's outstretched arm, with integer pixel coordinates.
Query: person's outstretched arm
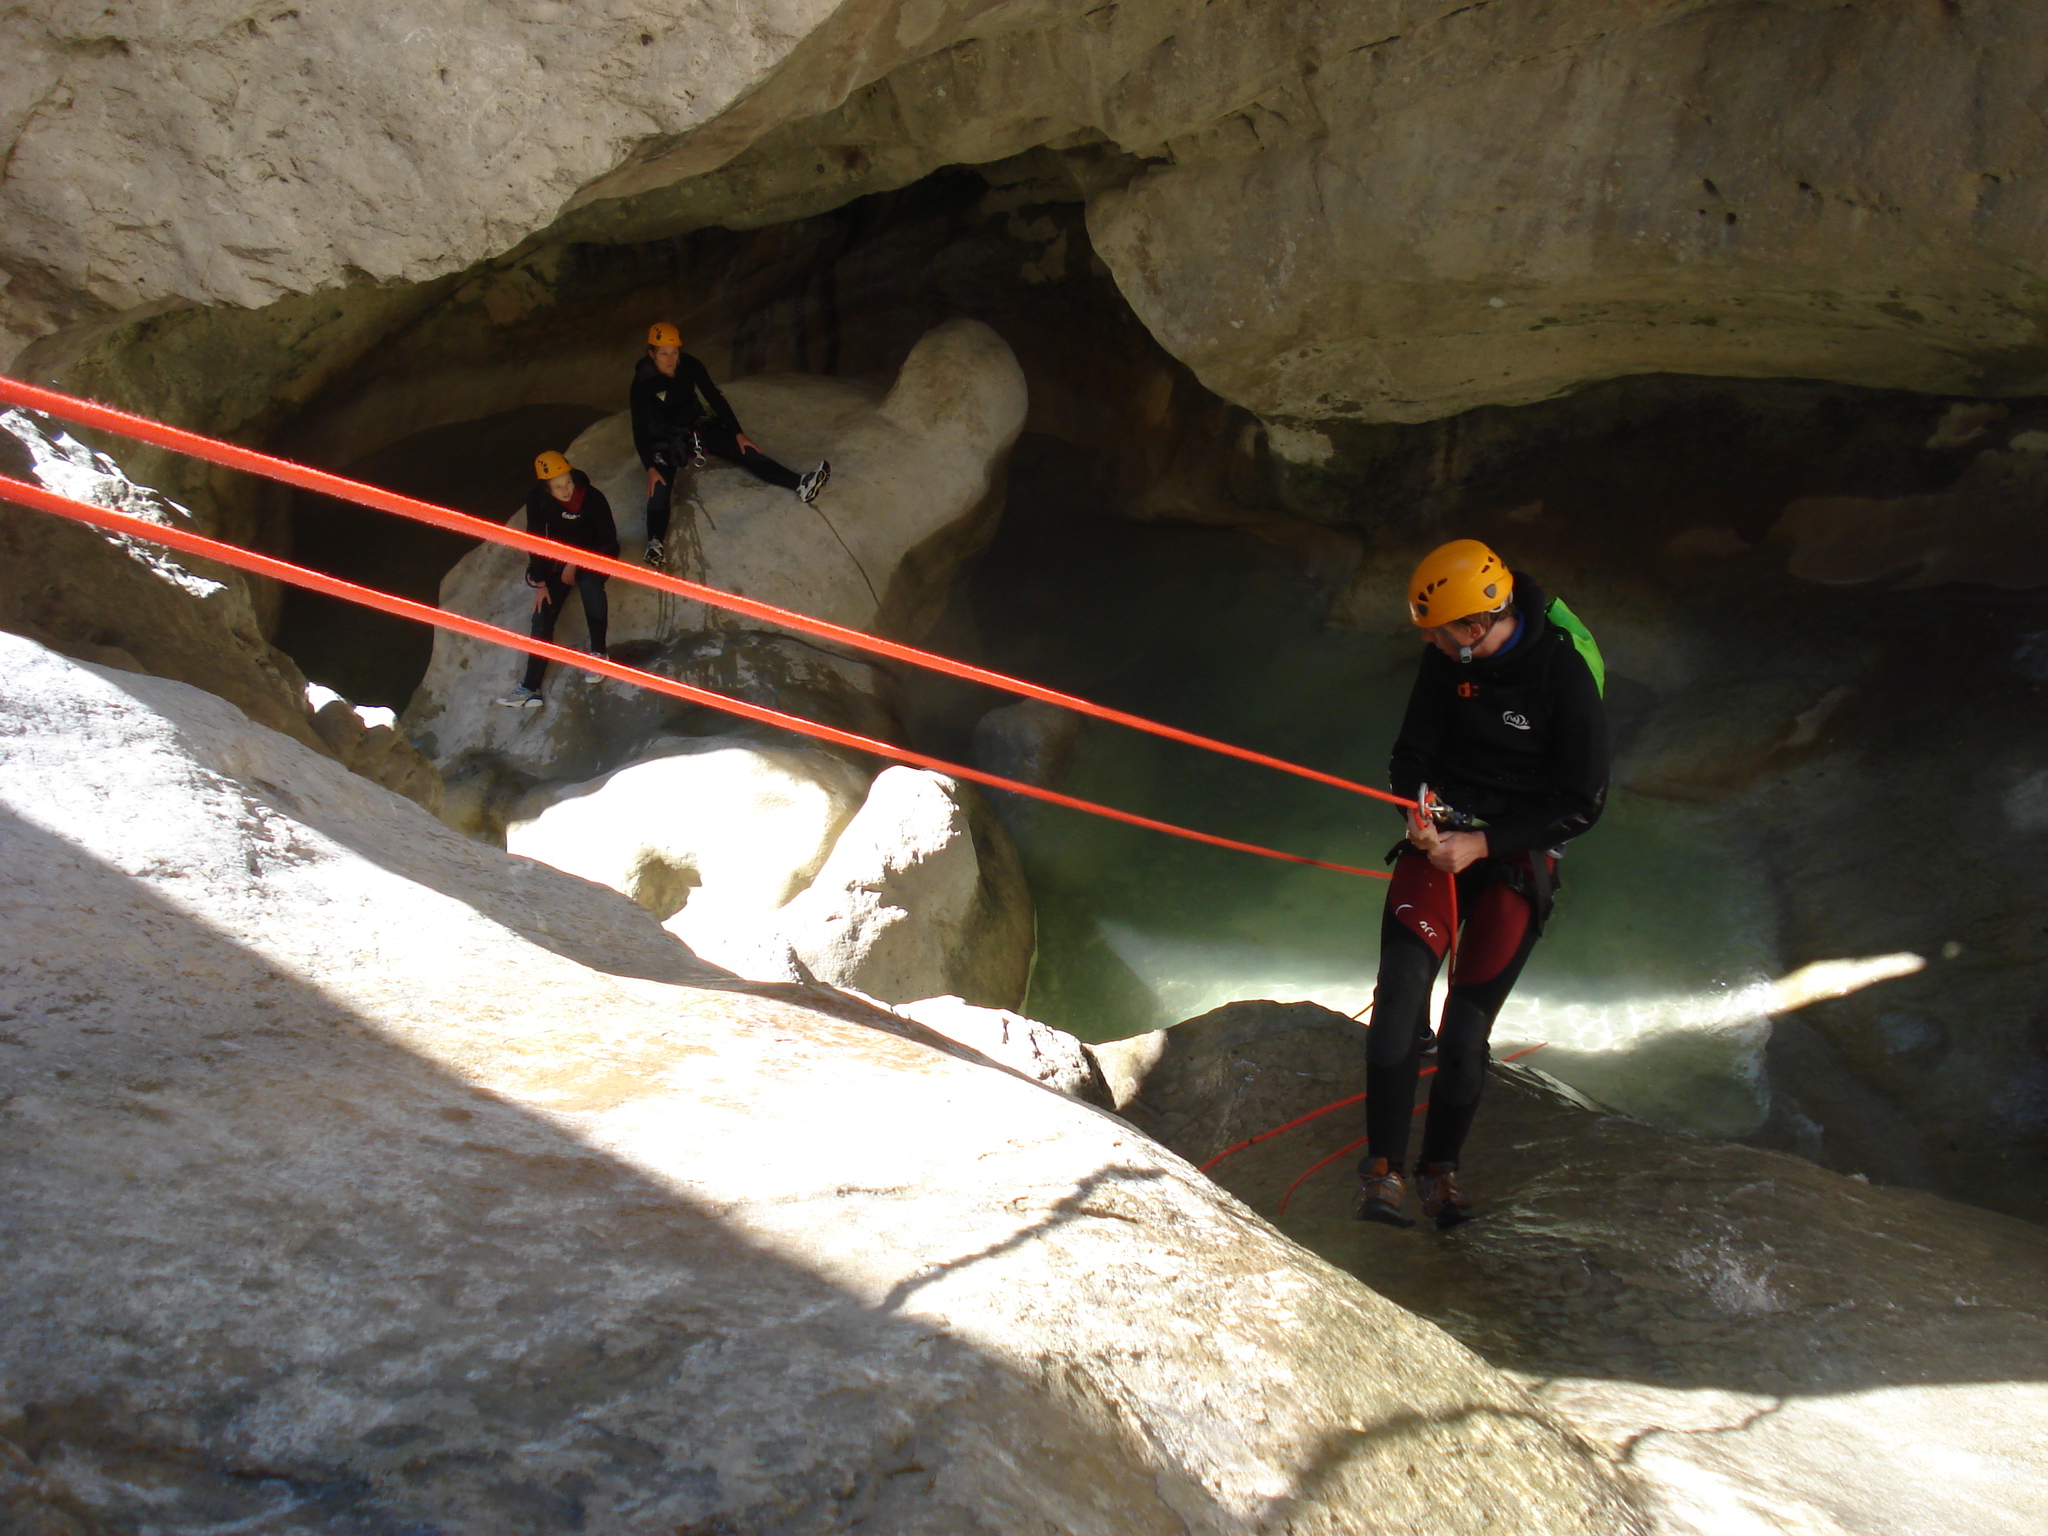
(700, 377)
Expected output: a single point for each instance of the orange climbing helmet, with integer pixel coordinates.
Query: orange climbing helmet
(664, 335)
(549, 465)
(1457, 580)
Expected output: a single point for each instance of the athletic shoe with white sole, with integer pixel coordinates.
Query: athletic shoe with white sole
(521, 698)
(656, 553)
(807, 488)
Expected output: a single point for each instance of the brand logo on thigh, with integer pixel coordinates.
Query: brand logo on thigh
(1519, 722)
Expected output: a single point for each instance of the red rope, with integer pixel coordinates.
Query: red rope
(1322, 1163)
(264, 565)
(1314, 1114)
(233, 456)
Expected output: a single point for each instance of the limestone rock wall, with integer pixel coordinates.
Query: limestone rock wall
(363, 1178)
(227, 152)
(1379, 210)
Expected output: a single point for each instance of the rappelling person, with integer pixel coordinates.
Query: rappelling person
(679, 416)
(566, 507)
(1505, 745)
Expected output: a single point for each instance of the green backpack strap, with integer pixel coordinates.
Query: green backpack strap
(1582, 640)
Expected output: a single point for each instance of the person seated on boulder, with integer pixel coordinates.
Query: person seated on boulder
(678, 417)
(567, 508)
(1506, 729)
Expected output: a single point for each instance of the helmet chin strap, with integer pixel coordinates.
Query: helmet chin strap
(1465, 651)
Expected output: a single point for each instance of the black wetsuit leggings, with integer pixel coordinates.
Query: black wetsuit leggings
(596, 616)
(1400, 1016)
(714, 439)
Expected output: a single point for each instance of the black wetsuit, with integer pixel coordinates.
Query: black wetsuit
(674, 416)
(584, 521)
(1519, 740)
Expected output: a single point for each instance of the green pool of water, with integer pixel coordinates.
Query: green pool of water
(1643, 989)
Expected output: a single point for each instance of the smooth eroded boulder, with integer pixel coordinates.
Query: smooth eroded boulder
(923, 895)
(710, 834)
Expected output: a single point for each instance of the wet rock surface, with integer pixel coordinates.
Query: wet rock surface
(1773, 1346)
(362, 1178)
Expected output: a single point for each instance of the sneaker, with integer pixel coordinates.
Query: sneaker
(522, 698)
(807, 488)
(1381, 1195)
(1442, 1201)
(1425, 1039)
(656, 553)
(600, 653)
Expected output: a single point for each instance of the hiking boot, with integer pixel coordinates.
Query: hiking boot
(807, 488)
(1442, 1201)
(1381, 1195)
(656, 553)
(521, 698)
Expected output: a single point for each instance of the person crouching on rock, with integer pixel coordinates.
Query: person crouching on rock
(678, 417)
(567, 508)
(1506, 729)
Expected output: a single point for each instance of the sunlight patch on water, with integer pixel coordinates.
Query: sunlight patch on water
(1688, 1060)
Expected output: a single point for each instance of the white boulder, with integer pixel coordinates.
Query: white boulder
(710, 834)
(919, 897)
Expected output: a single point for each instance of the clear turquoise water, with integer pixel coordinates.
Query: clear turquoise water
(1639, 988)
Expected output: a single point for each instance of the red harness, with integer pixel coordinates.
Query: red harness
(1496, 915)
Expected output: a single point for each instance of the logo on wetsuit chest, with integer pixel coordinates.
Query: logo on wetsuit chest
(1519, 722)
(1468, 690)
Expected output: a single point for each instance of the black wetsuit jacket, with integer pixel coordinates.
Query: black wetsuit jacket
(1518, 739)
(589, 526)
(664, 407)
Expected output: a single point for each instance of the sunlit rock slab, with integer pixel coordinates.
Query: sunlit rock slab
(1749, 1332)
(359, 1177)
